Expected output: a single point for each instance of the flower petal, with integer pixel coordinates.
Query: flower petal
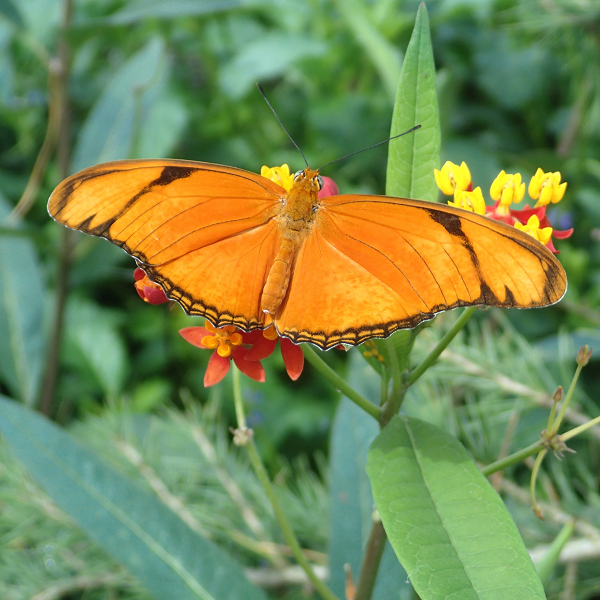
(261, 348)
(250, 368)
(194, 336)
(293, 358)
(154, 295)
(217, 368)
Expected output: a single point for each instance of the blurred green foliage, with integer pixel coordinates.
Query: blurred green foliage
(518, 88)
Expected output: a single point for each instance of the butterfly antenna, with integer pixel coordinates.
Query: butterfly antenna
(279, 121)
(370, 147)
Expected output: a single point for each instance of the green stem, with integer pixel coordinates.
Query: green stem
(392, 406)
(573, 432)
(263, 477)
(512, 459)
(563, 408)
(240, 413)
(370, 563)
(534, 473)
(318, 363)
(442, 344)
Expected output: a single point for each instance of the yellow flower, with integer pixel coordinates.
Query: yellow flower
(280, 175)
(222, 339)
(533, 229)
(472, 201)
(452, 178)
(507, 189)
(546, 188)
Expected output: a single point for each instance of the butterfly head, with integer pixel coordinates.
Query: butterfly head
(309, 179)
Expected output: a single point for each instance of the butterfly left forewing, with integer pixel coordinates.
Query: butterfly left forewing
(205, 232)
(159, 210)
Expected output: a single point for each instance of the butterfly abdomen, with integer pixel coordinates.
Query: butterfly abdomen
(296, 218)
(279, 273)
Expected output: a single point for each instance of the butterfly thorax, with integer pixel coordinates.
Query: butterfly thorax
(295, 220)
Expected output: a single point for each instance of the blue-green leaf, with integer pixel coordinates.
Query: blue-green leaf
(129, 522)
(350, 497)
(22, 301)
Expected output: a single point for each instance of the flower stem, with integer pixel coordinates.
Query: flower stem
(573, 432)
(240, 413)
(536, 468)
(442, 344)
(370, 563)
(565, 405)
(263, 477)
(318, 363)
(512, 459)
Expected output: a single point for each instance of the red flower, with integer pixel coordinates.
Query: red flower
(148, 290)
(523, 216)
(229, 344)
(263, 345)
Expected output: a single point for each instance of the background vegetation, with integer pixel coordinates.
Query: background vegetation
(519, 87)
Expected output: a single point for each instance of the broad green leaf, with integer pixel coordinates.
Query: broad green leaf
(413, 157)
(94, 345)
(351, 501)
(117, 118)
(269, 56)
(162, 129)
(22, 301)
(449, 528)
(129, 522)
(386, 58)
(142, 9)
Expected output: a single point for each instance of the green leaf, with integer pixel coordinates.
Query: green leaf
(22, 303)
(449, 528)
(413, 157)
(137, 11)
(120, 114)
(269, 56)
(9, 10)
(350, 497)
(130, 523)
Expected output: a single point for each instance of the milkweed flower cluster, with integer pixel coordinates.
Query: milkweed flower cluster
(506, 190)
(245, 349)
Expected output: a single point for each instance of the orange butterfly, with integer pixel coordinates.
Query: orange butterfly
(238, 249)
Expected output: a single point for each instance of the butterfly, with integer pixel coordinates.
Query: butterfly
(238, 249)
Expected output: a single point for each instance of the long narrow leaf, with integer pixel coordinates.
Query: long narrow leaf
(351, 500)
(413, 157)
(130, 523)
